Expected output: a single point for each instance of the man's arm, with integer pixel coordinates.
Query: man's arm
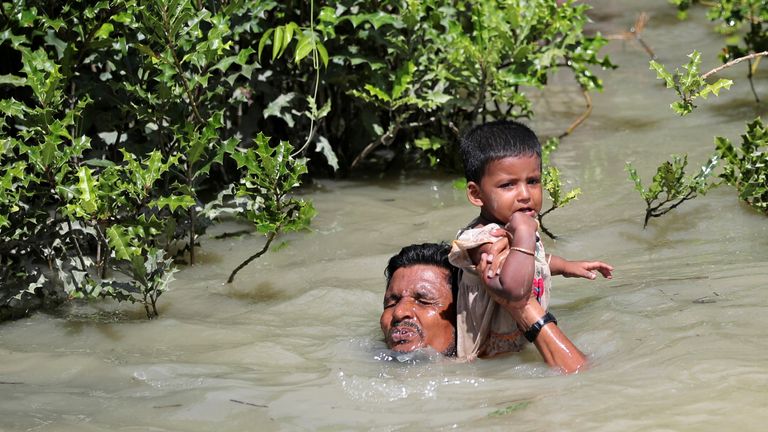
(554, 346)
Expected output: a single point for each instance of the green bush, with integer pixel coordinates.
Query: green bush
(745, 168)
(127, 126)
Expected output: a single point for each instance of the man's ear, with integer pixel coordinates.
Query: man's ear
(474, 195)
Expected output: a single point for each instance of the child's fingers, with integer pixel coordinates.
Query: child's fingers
(605, 269)
(605, 272)
(597, 266)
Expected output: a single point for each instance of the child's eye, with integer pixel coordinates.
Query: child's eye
(535, 180)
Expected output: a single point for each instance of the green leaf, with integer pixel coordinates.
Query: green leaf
(635, 179)
(662, 74)
(13, 80)
(104, 31)
(716, 87)
(510, 409)
(264, 40)
(278, 108)
(120, 243)
(87, 191)
(288, 35)
(324, 147)
(304, 46)
(173, 202)
(99, 163)
(377, 92)
(12, 107)
(277, 42)
(403, 78)
(322, 52)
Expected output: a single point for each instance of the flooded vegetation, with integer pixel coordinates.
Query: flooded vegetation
(675, 340)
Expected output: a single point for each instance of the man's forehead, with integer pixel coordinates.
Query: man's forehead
(420, 277)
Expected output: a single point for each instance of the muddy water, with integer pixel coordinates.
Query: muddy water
(676, 339)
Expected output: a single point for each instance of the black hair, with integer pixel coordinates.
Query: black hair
(493, 141)
(427, 254)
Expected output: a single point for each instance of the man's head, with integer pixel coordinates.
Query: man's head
(418, 304)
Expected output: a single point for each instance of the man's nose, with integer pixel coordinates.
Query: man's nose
(403, 309)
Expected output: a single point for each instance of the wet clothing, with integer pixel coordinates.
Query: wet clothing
(483, 327)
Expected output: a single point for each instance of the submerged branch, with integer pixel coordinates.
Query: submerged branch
(263, 250)
(656, 212)
(582, 117)
(750, 75)
(541, 222)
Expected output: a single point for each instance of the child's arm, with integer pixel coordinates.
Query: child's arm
(511, 286)
(583, 269)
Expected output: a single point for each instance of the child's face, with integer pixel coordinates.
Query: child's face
(509, 185)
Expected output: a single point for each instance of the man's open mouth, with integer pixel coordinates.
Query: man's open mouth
(404, 332)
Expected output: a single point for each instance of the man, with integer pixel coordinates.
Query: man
(419, 310)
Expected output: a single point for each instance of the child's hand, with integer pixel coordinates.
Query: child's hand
(586, 269)
(521, 222)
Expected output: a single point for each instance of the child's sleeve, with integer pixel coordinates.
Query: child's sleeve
(468, 240)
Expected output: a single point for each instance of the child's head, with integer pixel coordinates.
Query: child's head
(502, 164)
(493, 141)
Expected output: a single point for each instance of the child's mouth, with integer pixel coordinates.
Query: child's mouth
(529, 211)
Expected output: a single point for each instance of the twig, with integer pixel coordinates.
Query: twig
(177, 64)
(316, 64)
(656, 212)
(77, 245)
(388, 137)
(635, 33)
(248, 403)
(541, 222)
(547, 232)
(582, 117)
(733, 62)
(263, 250)
(752, 82)
(385, 139)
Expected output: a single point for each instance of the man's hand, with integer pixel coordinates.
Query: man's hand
(490, 249)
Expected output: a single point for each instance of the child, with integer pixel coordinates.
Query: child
(502, 164)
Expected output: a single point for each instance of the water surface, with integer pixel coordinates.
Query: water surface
(676, 339)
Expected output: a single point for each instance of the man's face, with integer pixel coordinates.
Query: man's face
(418, 310)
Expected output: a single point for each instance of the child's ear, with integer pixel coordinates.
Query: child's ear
(474, 195)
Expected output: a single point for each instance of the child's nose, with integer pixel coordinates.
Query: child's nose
(525, 193)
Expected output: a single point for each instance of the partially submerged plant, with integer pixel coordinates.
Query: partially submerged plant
(263, 196)
(551, 182)
(688, 84)
(671, 186)
(746, 167)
